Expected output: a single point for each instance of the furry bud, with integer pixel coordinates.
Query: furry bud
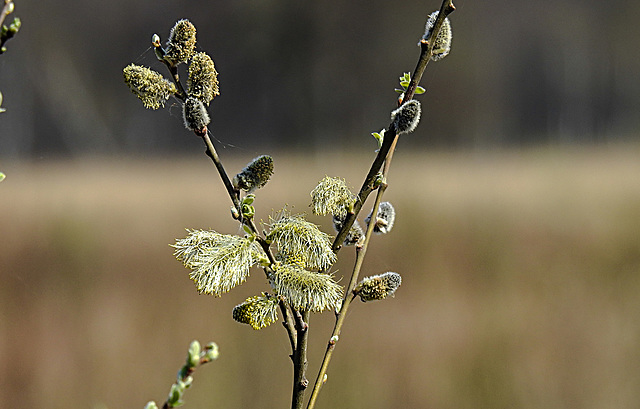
(255, 175)
(378, 287)
(407, 116)
(385, 218)
(195, 115)
(442, 44)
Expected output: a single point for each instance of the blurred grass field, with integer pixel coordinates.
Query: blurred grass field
(521, 284)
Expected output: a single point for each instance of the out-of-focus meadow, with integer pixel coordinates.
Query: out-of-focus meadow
(521, 276)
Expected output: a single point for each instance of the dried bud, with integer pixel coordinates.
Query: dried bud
(195, 115)
(182, 42)
(355, 235)
(255, 175)
(378, 287)
(406, 117)
(442, 44)
(384, 220)
(148, 85)
(155, 40)
(203, 78)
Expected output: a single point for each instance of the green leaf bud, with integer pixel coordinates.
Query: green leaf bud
(255, 175)
(14, 27)
(181, 43)
(248, 211)
(148, 85)
(385, 218)
(406, 117)
(193, 357)
(202, 82)
(305, 290)
(332, 196)
(211, 352)
(442, 44)
(151, 405)
(195, 115)
(175, 395)
(259, 312)
(378, 287)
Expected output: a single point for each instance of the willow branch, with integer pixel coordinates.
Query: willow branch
(385, 155)
(426, 51)
(6, 10)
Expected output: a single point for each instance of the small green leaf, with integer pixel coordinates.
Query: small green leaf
(193, 359)
(248, 211)
(248, 199)
(379, 137)
(420, 90)
(2, 176)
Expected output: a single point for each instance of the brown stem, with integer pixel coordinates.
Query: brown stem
(6, 10)
(300, 381)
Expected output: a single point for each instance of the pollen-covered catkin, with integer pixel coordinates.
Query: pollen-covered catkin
(181, 43)
(442, 44)
(378, 287)
(259, 312)
(148, 85)
(407, 116)
(203, 78)
(195, 115)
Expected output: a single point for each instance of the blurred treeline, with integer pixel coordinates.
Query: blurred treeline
(309, 75)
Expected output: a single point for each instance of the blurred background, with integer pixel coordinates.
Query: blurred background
(518, 201)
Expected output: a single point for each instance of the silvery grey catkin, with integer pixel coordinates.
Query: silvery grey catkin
(195, 115)
(442, 44)
(406, 117)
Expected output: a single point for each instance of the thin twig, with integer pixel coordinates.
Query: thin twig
(385, 154)
(233, 194)
(390, 135)
(5, 12)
